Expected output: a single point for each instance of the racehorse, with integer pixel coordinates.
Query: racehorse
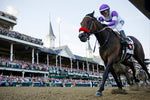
(110, 48)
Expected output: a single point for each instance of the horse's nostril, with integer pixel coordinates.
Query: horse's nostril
(80, 35)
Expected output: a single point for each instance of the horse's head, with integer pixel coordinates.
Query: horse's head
(87, 27)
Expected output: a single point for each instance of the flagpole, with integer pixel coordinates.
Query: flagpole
(59, 22)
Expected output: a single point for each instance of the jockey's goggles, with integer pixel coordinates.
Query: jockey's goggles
(104, 12)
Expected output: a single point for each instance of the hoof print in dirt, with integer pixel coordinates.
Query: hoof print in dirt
(119, 91)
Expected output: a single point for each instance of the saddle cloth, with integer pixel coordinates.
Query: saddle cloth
(130, 48)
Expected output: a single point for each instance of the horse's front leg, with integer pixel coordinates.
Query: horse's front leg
(105, 75)
(119, 83)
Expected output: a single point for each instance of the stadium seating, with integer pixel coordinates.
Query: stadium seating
(20, 36)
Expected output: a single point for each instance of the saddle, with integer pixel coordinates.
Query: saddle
(117, 34)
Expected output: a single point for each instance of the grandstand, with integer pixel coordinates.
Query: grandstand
(24, 58)
(7, 21)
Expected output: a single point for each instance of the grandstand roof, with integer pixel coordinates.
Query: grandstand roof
(83, 59)
(94, 62)
(79, 58)
(99, 60)
(47, 50)
(64, 51)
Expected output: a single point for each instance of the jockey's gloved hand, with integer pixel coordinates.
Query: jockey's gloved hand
(100, 19)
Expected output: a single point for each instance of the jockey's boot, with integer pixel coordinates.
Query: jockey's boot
(124, 38)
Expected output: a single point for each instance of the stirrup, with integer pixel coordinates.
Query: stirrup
(124, 42)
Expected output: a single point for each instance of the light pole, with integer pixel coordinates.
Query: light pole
(59, 22)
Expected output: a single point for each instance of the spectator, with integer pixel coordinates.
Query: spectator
(18, 35)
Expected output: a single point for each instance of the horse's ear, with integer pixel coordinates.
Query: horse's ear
(93, 13)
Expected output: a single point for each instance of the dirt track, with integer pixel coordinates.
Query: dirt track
(77, 93)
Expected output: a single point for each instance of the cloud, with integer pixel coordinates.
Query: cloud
(12, 11)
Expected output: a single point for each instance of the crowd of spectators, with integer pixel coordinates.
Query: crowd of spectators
(21, 64)
(5, 62)
(20, 36)
(6, 80)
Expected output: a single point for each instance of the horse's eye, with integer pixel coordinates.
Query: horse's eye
(88, 22)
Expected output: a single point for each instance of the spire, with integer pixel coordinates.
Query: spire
(51, 37)
(51, 33)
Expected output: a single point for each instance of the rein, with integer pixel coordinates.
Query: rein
(98, 31)
(108, 33)
(88, 31)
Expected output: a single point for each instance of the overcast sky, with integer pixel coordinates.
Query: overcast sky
(33, 19)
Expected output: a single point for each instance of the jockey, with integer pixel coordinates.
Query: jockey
(113, 20)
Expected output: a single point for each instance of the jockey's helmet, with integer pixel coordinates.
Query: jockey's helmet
(104, 8)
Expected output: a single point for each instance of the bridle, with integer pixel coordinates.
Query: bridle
(90, 28)
(91, 24)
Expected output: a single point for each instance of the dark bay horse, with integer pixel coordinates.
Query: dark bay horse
(110, 48)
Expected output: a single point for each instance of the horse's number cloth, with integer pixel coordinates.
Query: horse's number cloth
(130, 42)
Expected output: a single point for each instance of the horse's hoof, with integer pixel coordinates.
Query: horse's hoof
(99, 94)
